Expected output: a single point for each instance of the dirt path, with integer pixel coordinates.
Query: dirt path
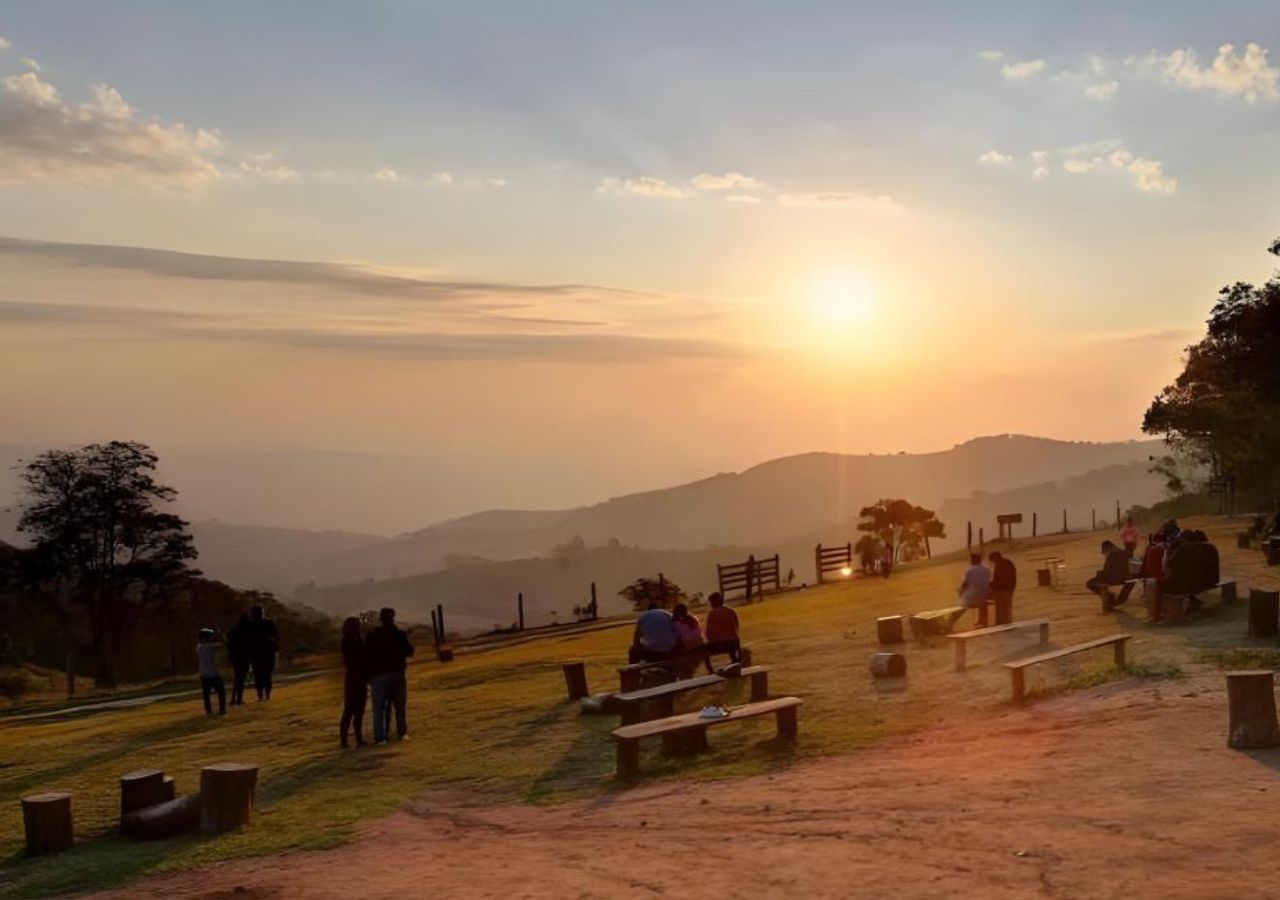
(1126, 791)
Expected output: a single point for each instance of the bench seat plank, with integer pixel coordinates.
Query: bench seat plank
(1018, 667)
(669, 689)
(692, 720)
(962, 638)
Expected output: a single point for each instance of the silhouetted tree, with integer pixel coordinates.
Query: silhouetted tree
(643, 591)
(899, 523)
(1223, 410)
(100, 539)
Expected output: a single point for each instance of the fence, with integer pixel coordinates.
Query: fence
(750, 577)
(832, 559)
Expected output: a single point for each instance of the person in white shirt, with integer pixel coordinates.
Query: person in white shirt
(976, 587)
(210, 677)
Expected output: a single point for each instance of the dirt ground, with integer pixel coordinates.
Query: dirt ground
(1124, 790)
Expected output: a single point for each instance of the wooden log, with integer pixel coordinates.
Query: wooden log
(227, 793)
(169, 819)
(145, 787)
(575, 680)
(888, 665)
(889, 629)
(1264, 613)
(47, 820)
(170, 790)
(1251, 702)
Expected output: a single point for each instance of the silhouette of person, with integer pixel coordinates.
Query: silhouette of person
(263, 646)
(387, 652)
(354, 688)
(1004, 580)
(239, 646)
(210, 677)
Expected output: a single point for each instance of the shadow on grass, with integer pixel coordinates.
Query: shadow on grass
(100, 864)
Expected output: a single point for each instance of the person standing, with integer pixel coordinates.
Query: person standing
(387, 652)
(239, 642)
(1129, 536)
(1004, 581)
(354, 686)
(264, 642)
(975, 587)
(210, 677)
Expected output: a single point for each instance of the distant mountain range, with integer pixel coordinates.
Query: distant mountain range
(794, 501)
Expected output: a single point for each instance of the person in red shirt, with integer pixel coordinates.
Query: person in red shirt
(722, 629)
(1151, 572)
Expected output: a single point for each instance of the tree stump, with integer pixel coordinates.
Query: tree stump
(1251, 701)
(47, 820)
(226, 796)
(888, 665)
(1243, 539)
(1044, 577)
(1264, 613)
(145, 787)
(162, 820)
(575, 679)
(889, 629)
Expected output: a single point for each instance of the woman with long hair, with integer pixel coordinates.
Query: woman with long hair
(354, 684)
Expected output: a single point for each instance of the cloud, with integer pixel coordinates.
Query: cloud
(1232, 74)
(442, 178)
(839, 200)
(496, 182)
(995, 158)
(1102, 91)
(4, 45)
(266, 167)
(1020, 70)
(45, 139)
(741, 198)
(991, 55)
(644, 186)
(726, 182)
(387, 176)
(32, 64)
(1148, 174)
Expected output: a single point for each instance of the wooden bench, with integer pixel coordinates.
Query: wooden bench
(759, 676)
(1055, 566)
(688, 733)
(935, 621)
(656, 702)
(962, 639)
(1174, 611)
(631, 677)
(1016, 669)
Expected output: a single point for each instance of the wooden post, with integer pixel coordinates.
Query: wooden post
(595, 609)
(628, 758)
(1019, 684)
(817, 562)
(227, 793)
(1117, 515)
(47, 821)
(1034, 523)
(1093, 520)
(440, 618)
(145, 787)
(982, 542)
(1251, 703)
(575, 680)
(520, 607)
(435, 631)
(1064, 521)
(889, 629)
(1264, 613)
(968, 541)
(960, 654)
(751, 574)
(888, 665)
(786, 718)
(760, 686)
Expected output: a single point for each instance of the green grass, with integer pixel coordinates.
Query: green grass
(497, 722)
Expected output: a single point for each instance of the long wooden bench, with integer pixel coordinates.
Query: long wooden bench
(962, 638)
(631, 676)
(935, 621)
(688, 733)
(1016, 669)
(656, 702)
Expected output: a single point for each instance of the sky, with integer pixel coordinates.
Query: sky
(561, 251)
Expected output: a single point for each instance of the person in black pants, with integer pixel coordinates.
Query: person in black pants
(263, 646)
(210, 677)
(387, 652)
(239, 639)
(354, 688)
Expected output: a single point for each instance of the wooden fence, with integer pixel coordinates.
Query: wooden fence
(750, 577)
(832, 559)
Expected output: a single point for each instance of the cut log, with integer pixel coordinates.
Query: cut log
(889, 629)
(47, 820)
(575, 680)
(170, 790)
(1243, 539)
(168, 819)
(226, 796)
(1251, 701)
(145, 787)
(1264, 613)
(888, 665)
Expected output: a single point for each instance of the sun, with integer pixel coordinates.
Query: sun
(840, 299)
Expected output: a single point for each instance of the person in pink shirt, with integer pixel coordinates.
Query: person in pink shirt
(1129, 536)
(689, 637)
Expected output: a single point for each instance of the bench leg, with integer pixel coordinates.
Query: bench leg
(759, 686)
(1044, 632)
(744, 656)
(1120, 654)
(628, 759)
(685, 742)
(787, 722)
(629, 681)
(1229, 592)
(960, 655)
(1019, 685)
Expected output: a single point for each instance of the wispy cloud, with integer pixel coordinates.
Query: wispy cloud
(729, 181)
(839, 200)
(4, 44)
(991, 55)
(1148, 174)
(1232, 74)
(32, 64)
(741, 198)
(1018, 71)
(387, 175)
(995, 158)
(644, 186)
(266, 167)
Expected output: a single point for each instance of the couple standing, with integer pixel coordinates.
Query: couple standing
(375, 663)
(252, 643)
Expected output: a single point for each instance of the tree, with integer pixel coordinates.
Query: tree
(1223, 410)
(661, 591)
(900, 525)
(93, 516)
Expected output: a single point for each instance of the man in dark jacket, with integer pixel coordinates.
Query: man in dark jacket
(263, 643)
(239, 644)
(1004, 580)
(387, 651)
(1114, 572)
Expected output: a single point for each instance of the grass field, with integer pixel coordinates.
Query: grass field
(498, 721)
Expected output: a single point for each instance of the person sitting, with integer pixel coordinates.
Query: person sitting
(975, 589)
(1114, 572)
(1191, 567)
(654, 638)
(722, 629)
(689, 640)
(1151, 572)
(1004, 581)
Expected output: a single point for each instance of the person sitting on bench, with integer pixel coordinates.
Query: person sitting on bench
(1191, 567)
(1114, 572)
(654, 639)
(976, 588)
(1152, 572)
(722, 629)
(689, 640)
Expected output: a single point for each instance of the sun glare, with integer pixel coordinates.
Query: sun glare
(842, 299)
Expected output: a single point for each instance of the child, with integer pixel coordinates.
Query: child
(210, 677)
